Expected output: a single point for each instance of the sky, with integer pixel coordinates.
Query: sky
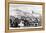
(25, 8)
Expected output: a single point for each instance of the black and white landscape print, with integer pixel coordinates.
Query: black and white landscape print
(24, 15)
